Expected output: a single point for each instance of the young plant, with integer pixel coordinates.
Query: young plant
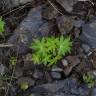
(2, 25)
(13, 61)
(49, 50)
(24, 85)
(89, 80)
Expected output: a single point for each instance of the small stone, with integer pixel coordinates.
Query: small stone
(24, 1)
(67, 4)
(88, 35)
(77, 32)
(18, 72)
(56, 69)
(49, 12)
(56, 75)
(73, 61)
(86, 48)
(93, 93)
(47, 28)
(67, 70)
(27, 31)
(67, 87)
(65, 24)
(2, 69)
(65, 62)
(38, 75)
(14, 3)
(78, 23)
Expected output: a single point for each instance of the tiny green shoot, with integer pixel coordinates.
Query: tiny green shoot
(2, 25)
(24, 85)
(89, 80)
(13, 61)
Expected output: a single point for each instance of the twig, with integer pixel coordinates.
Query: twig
(19, 8)
(11, 78)
(6, 45)
(14, 68)
(54, 7)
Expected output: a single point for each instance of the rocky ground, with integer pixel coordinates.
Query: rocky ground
(29, 19)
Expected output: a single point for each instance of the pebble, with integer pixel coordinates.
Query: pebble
(67, 4)
(56, 75)
(38, 74)
(2, 69)
(49, 13)
(88, 35)
(65, 24)
(56, 69)
(65, 62)
(86, 48)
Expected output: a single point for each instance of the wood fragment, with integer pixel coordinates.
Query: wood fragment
(6, 45)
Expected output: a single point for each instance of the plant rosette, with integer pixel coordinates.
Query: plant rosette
(49, 50)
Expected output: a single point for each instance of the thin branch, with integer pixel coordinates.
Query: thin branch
(54, 7)
(6, 45)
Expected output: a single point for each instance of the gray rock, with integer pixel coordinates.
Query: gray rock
(56, 69)
(24, 33)
(38, 74)
(28, 29)
(62, 88)
(65, 62)
(18, 72)
(86, 48)
(67, 4)
(78, 23)
(65, 24)
(93, 93)
(2, 69)
(13, 3)
(47, 28)
(73, 61)
(77, 32)
(49, 12)
(60, 94)
(89, 34)
(18, 2)
(62, 84)
(56, 75)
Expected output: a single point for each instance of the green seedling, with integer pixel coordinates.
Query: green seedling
(13, 60)
(89, 80)
(49, 50)
(2, 25)
(24, 85)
